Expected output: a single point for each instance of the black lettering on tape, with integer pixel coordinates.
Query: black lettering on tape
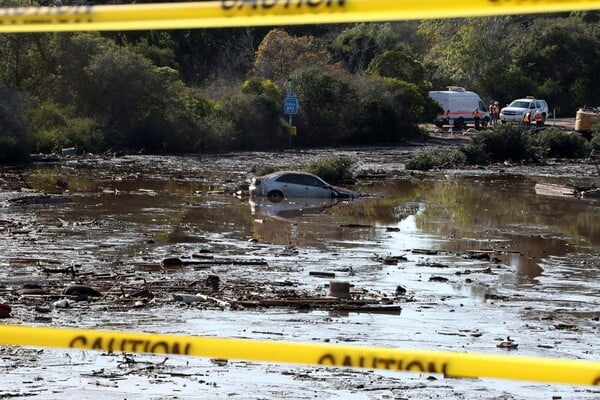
(396, 364)
(268, 4)
(596, 381)
(135, 345)
(415, 366)
(78, 341)
(97, 344)
(326, 359)
(156, 346)
(387, 362)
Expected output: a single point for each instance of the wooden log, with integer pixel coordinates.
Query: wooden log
(551, 189)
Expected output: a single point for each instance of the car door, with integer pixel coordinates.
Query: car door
(290, 185)
(315, 188)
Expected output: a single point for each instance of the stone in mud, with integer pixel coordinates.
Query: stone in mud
(5, 310)
(339, 289)
(63, 303)
(81, 290)
(213, 282)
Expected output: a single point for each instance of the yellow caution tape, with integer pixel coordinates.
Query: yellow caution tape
(237, 13)
(456, 365)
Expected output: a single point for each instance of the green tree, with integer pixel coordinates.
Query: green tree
(357, 45)
(399, 65)
(249, 120)
(561, 58)
(326, 104)
(280, 54)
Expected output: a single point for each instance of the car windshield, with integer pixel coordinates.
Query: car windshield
(520, 104)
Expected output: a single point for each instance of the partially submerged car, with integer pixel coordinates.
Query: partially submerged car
(295, 184)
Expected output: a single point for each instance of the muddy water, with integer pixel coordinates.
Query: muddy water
(480, 255)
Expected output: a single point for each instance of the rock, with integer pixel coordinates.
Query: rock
(213, 282)
(63, 303)
(400, 291)
(339, 289)
(80, 290)
(186, 298)
(508, 344)
(438, 279)
(5, 310)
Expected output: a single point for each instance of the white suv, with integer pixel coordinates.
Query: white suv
(518, 108)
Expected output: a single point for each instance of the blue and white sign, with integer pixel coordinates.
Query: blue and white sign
(290, 104)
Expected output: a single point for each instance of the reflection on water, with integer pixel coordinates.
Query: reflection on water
(262, 207)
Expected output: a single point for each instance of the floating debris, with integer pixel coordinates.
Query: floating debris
(508, 344)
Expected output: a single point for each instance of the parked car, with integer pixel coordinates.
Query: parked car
(294, 184)
(459, 107)
(516, 110)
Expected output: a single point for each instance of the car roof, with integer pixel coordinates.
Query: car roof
(527, 99)
(279, 173)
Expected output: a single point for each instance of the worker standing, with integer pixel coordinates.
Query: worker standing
(496, 111)
(477, 118)
(527, 119)
(492, 110)
(539, 119)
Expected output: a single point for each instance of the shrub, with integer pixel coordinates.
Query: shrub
(261, 170)
(421, 162)
(553, 142)
(427, 161)
(254, 122)
(332, 169)
(56, 126)
(595, 140)
(502, 142)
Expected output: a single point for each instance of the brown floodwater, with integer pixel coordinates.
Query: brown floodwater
(504, 262)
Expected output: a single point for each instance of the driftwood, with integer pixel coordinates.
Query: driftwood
(367, 306)
(174, 261)
(321, 274)
(67, 270)
(551, 189)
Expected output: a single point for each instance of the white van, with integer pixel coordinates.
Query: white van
(459, 107)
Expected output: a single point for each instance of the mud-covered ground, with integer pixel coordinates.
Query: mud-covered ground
(450, 260)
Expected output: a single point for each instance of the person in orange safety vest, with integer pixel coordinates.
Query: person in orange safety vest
(539, 119)
(477, 118)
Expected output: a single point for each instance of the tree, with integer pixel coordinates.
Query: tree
(280, 54)
(399, 65)
(465, 52)
(254, 118)
(326, 102)
(561, 59)
(357, 45)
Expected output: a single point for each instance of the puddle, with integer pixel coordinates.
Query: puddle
(468, 257)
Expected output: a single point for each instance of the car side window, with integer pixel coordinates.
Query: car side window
(312, 181)
(288, 178)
